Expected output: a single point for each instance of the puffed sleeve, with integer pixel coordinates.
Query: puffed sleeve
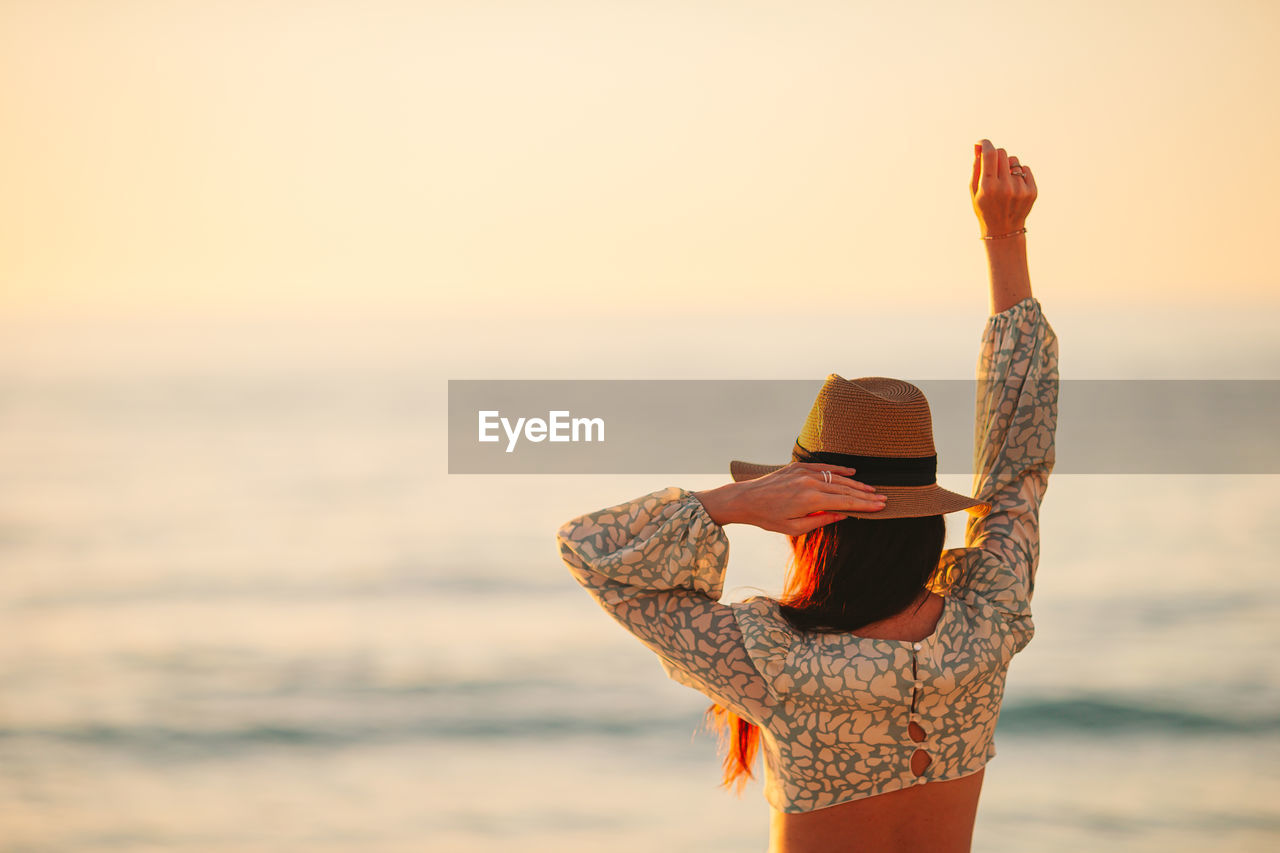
(656, 564)
(1016, 418)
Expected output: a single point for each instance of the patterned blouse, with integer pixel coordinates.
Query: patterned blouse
(834, 709)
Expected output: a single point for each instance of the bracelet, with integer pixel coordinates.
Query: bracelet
(1002, 236)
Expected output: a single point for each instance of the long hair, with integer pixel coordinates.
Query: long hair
(843, 576)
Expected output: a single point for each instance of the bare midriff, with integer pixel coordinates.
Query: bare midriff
(936, 817)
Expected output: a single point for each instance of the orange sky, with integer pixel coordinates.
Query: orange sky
(241, 158)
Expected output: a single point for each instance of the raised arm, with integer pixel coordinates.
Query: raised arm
(1017, 401)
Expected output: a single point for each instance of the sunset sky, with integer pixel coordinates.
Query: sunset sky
(244, 158)
(246, 246)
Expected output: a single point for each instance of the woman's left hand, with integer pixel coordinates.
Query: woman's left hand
(794, 499)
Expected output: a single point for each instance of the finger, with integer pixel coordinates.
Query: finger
(824, 472)
(850, 503)
(838, 479)
(1030, 179)
(841, 485)
(1002, 164)
(1016, 170)
(977, 168)
(988, 159)
(798, 526)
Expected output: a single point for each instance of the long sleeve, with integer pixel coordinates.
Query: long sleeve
(656, 565)
(1016, 418)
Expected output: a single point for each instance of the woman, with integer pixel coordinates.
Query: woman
(873, 687)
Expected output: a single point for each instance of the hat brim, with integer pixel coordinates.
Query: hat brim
(903, 501)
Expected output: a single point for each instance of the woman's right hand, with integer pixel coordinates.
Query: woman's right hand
(794, 499)
(1001, 197)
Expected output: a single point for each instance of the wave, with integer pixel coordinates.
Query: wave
(1096, 716)
(1076, 717)
(431, 585)
(145, 737)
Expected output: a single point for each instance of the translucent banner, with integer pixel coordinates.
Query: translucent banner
(697, 426)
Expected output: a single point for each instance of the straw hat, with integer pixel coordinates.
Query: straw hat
(882, 428)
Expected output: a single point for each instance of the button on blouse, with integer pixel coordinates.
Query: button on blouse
(836, 710)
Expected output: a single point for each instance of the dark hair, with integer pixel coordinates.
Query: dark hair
(844, 576)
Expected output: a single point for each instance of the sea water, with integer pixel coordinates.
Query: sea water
(246, 608)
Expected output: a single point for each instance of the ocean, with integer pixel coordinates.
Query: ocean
(246, 608)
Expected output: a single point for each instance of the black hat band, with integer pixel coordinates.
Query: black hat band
(877, 470)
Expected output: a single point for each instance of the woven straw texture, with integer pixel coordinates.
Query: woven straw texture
(874, 416)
